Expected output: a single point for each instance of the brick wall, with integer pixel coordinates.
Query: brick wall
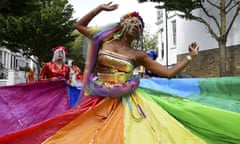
(206, 64)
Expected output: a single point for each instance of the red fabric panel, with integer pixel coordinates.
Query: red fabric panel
(39, 132)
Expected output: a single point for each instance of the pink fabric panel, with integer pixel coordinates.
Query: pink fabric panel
(27, 104)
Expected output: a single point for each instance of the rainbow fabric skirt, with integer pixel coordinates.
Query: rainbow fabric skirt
(160, 111)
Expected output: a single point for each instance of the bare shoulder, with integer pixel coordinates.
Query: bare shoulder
(139, 54)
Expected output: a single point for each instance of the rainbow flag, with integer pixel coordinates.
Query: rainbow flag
(169, 111)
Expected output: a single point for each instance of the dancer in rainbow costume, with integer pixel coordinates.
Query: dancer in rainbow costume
(118, 107)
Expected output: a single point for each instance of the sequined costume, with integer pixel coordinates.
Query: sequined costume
(114, 76)
(50, 70)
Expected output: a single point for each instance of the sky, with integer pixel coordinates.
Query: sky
(146, 10)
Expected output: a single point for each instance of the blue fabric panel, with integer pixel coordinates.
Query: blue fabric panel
(74, 95)
(182, 87)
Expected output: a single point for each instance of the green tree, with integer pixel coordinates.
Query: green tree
(36, 34)
(18, 7)
(76, 51)
(220, 27)
(149, 41)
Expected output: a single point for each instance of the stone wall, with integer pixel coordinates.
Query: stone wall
(206, 64)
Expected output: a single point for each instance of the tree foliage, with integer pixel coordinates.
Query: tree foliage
(76, 51)
(185, 6)
(214, 11)
(18, 7)
(148, 42)
(38, 33)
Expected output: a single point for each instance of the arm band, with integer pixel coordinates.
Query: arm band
(188, 57)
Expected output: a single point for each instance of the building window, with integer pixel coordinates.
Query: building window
(162, 44)
(159, 15)
(174, 31)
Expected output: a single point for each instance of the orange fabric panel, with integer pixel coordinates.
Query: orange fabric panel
(90, 127)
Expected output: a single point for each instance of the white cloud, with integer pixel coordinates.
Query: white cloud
(146, 10)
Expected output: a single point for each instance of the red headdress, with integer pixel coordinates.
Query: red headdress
(61, 47)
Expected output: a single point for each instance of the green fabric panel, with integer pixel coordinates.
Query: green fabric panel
(219, 92)
(215, 126)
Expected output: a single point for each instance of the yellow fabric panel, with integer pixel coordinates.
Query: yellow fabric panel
(158, 127)
(88, 128)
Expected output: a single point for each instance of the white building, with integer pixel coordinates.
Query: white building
(181, 32)
(11, 64)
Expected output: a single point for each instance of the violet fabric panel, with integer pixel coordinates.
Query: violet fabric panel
(23, 105)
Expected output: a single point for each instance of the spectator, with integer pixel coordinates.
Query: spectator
(76, 75)
(56, 69)
(30, 76)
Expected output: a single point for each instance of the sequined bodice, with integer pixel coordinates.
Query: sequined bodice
(114, 73)
(110, 62)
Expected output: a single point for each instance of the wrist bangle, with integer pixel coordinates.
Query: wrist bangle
(188, 57)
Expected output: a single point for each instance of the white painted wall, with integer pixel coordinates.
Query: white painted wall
(190, 31)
